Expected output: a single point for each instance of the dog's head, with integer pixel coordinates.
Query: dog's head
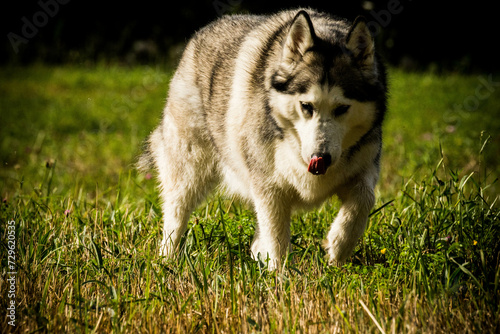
(328, 87)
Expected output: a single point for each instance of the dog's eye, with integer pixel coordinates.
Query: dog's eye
(307, 108)
(340, 110)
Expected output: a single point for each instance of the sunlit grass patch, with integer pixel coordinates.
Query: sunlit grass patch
(88, 226)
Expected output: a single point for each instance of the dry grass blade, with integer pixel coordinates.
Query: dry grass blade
(372, 317)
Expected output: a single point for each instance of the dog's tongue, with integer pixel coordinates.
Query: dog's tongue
(316, 166)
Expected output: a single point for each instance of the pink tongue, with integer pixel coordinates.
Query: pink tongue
(316, 166)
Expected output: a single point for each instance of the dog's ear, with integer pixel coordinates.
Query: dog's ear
(300, 38)
(360, 43)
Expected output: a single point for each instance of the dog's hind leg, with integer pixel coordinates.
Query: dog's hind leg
(186, 171)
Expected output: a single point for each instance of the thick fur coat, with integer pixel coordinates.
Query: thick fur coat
(283, 111)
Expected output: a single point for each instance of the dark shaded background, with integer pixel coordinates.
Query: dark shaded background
(452, 36)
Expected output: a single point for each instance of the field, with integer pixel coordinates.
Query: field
(86, 225)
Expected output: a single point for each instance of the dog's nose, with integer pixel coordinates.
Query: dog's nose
(319, 163)
(327, 158)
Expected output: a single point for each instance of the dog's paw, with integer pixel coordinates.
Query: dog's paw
(334, 263)
(336, 252)
(265, 257)
(167, 250)
(265, 260)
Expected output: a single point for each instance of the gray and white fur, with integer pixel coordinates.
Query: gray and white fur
(283, 111)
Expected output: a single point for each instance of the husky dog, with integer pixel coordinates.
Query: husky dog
(283, 111)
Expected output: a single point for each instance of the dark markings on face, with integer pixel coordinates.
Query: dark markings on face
(329, 62)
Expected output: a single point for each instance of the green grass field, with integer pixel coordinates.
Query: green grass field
(87, 225)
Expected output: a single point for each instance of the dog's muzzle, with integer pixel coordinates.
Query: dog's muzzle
(319, 163)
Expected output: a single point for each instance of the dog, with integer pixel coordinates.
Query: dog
(283, 111)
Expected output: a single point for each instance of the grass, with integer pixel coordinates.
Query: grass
(88, 226)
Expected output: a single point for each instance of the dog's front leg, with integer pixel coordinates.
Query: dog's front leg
(349, 225)
(272, 234)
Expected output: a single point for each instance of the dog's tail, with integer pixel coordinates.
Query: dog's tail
(145, 161)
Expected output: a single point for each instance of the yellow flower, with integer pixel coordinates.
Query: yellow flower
(383, 251)
(474, 242)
